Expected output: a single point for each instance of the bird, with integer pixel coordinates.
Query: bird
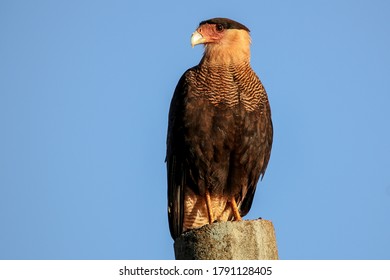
(220, 131)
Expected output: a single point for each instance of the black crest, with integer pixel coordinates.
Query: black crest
(226, 23)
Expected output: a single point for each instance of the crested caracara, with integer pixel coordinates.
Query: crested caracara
(219, 132)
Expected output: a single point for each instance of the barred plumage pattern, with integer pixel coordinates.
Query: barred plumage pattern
(230, 85)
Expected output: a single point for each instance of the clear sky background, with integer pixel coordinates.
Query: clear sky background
(85, 88)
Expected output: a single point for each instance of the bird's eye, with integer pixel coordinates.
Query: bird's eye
(219, 27)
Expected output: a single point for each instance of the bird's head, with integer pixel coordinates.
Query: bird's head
(225, 40)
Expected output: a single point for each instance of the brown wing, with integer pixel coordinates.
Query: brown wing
(256, 150)
(176, 173)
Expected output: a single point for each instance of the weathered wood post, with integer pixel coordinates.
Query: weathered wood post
(242, 240)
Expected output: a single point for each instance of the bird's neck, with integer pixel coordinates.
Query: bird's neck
(233, 51)
(224, 56)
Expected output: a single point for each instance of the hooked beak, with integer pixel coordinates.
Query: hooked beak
(197, 38)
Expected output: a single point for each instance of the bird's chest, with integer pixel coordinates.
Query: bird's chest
(232, 89)
(212, 125)
(219, 90)
(221, 107)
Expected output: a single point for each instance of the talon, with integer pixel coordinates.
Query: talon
(236, 212)
(208, 206)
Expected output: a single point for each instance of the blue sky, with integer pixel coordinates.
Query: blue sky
(85, 88)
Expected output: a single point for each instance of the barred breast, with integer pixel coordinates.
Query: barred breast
(229, 85)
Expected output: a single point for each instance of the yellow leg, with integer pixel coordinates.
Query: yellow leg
(208, 206)
(236, 213)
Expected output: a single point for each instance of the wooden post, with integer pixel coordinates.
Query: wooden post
(241, 240)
